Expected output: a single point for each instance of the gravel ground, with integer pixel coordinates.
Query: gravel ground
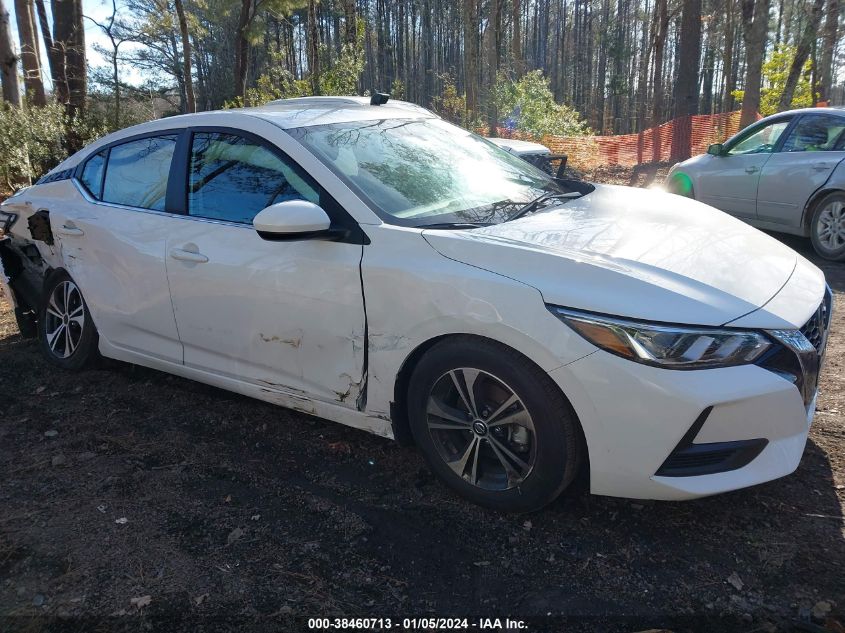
(132, 499)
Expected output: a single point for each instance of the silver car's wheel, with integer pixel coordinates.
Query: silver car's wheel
(65, 319)
(828, 227)
(481, 429)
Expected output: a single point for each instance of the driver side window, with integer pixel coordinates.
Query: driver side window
(762, 141)
(232, 178)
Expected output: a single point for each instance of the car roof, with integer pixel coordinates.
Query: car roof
(307, 111)
(834, 110)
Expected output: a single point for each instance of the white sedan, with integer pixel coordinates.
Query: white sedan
(374, 265)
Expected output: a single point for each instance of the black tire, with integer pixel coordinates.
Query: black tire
(819, 220)
(80, 349)
(556, 445)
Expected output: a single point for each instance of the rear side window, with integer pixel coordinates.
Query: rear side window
(92, 174)
(137, 172)
(232, 178)
(815, 133)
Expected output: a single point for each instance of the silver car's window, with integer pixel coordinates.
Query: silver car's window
(762, 141)
(137, 172)
(415, 172)
(815, 133)
(232, 178)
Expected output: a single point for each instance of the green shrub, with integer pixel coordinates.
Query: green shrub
(528, 105)
(32, 140)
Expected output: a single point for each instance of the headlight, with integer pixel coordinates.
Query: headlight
(668, 346)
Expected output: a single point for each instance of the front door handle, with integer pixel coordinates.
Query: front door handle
(751, 170)
(70, 231)
(821, 166)
(188, 256)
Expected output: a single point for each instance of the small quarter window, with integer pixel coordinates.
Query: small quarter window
(137, 172)
(92, 174)
(232, 178)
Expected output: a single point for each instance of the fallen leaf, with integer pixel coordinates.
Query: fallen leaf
(735, 581)
(234, 535)
(51, 433)
(228, 499)
(200, 599)
(821, 609)
(141, 601)
(482, 563)
(121, 521)
(40, 389)
(255, 517)
(527, 526)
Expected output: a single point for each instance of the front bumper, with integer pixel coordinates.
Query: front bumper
(636, 418)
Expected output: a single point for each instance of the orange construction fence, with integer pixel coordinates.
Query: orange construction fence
(674, 140)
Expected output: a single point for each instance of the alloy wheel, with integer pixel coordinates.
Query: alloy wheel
(65, 320)
(831, 225)
(481, 429)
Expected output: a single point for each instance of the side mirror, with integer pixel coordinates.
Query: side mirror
(294, 220)
(716, 149)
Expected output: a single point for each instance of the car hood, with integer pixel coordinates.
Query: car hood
(642, 254)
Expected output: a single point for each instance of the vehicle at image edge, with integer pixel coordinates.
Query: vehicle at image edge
(379, 267)
(784, 173)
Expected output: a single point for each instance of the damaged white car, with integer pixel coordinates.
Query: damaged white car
(369, 263)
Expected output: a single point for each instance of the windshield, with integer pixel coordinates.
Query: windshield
(420, 172)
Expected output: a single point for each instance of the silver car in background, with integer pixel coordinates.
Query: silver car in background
(784, 173)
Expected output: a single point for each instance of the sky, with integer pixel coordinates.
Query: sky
(99, 10)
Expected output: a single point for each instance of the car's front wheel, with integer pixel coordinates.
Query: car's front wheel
(492, 425)
(66, 331)
(827, 227)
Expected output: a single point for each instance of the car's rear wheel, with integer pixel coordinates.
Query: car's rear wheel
(827, 227)
(66, 331)
(492, 425)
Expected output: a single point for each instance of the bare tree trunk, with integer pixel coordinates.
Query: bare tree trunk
(350, 27)
(755, 15)
(516, 41)
(69, 42)
(30, 52)
(470, 59)
(493, 25)
(728, 58)
(313, 47)
(242, 47)
(8, 60)
(802, 52)
(56, 61)
(191, 105)
(829, 38)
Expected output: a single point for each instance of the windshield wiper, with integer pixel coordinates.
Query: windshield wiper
(536, 202)
(452, 225)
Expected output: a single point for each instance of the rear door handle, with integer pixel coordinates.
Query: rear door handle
(751, 170)
(821, 167)
(188, 256)
(70, 231)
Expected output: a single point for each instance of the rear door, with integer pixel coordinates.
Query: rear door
(729, 182)
(113, 243)
(810, 152)
(285, 315)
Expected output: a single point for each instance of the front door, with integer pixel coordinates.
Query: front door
(287, 316)
(807, 158)
(729, 182)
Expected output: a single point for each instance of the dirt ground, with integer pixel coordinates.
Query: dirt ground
(132, 500)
